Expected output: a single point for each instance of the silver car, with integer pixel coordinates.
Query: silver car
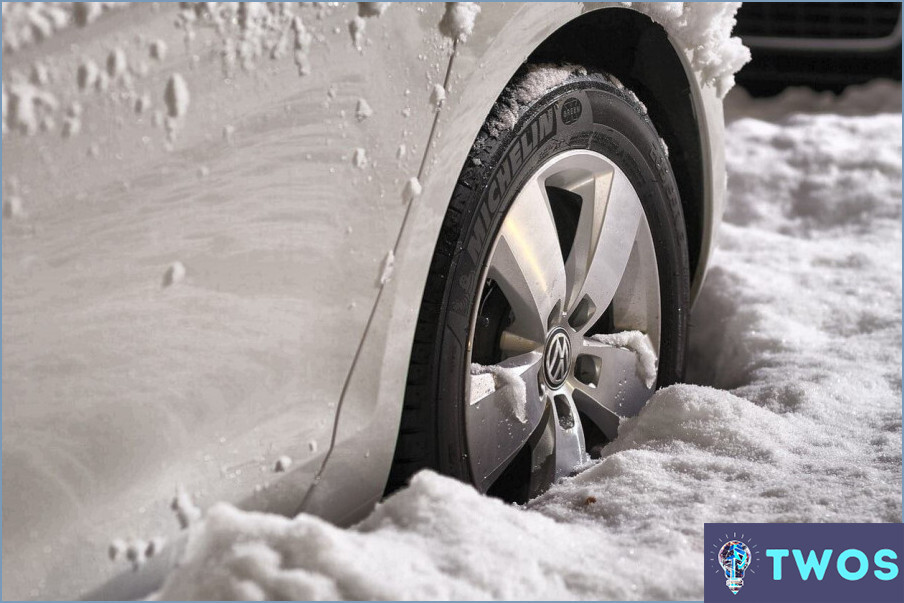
(287, 256)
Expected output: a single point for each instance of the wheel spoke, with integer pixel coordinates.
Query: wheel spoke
(543, 454)
(505, 410)
(569, 435)
(527, 262)
(617, 385)
(606, 254)
(513, 344)
(594, 191)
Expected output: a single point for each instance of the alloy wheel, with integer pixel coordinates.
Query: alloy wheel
(566, 335)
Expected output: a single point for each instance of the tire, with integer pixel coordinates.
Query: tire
(480, 307)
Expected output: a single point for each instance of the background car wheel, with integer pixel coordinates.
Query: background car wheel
(557, 297)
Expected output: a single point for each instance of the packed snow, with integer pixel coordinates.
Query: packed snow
(116, 549)
(488, 379)
(438, 96)
(135, 553)
(795, 344)
(303, 41)
(536, 81)
(388, 266)
(413, 186)
(157, 50)
(356, 28)
(27, 23)
(29, 107)
(636, 342)
(359, 158)
(704, 30)
(282, 464)
(176, 96)
(13, 207)
(117, 64)
(87, 75)
(458, 20)
(174, 274)
(154, 546)
(142, 104)
(185, 509)
(372, 9)
(363, 110)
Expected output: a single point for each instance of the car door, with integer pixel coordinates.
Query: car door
(199, 204)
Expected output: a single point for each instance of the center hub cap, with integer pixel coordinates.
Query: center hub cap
(557, 357)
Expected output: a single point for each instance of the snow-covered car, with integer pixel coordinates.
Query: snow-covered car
(288, 255)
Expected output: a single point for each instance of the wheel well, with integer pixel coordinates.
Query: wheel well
(636, 50)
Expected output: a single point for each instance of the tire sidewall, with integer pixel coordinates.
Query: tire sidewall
(586, 113)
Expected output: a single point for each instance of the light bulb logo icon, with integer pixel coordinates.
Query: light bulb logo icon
(734, 557)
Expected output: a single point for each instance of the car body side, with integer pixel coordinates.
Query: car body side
(117, 390)
(368, 417)
(282, 340)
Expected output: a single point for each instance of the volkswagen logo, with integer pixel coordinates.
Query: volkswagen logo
(557, 357)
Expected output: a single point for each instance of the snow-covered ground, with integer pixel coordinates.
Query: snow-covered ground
(796, 343)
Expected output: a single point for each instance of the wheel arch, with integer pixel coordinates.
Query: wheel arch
(636, 50)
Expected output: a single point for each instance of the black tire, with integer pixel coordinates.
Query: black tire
(589, 111)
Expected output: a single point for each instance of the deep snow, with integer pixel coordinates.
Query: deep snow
(798, 330)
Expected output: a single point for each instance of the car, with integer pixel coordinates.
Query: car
(286, 257)
(822, 45)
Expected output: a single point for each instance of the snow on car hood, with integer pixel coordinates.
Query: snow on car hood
(799, 326)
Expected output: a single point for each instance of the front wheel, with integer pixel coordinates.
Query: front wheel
(558, 293)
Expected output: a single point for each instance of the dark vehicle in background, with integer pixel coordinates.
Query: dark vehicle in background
(823, 45)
